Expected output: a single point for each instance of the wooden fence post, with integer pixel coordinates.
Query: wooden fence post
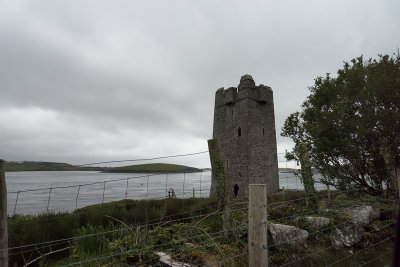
(398, 179)
(3, 217)
(257, 235)
(222, 187)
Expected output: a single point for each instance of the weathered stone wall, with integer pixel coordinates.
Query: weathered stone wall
(244, 124)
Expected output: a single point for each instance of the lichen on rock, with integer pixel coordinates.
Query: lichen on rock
(313, 223)
(282, 234)
(362, 215)
(347, 235)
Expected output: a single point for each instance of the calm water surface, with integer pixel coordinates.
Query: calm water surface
(41, 191)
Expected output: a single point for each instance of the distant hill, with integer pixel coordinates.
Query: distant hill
(153, 168)
(13, 166)
(288, 170)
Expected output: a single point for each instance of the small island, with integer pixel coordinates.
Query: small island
(19, 166)
(153, 168)
(14, 166)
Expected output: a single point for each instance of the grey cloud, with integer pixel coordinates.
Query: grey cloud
(151, 68)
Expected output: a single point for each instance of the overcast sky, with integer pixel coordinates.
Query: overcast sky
(87, 81)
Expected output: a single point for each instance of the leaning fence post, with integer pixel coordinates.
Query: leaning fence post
(222, 188)
(77, 196)
(328, 190)
(257, 235)
(3, 217)
(48, 200)
(16, 202)
(104, 190)
(201, 173)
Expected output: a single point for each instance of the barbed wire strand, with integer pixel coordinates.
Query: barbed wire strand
(152, 247)
(332, 246)
(318, 195)
(334, 263)
(316, 232)
(87, 184)
(225, 259)
(144, 159)
(115, 205)
(313, 211)
(111, 231)
(193, 217)
(389, 251)
(129, 227)
(144, 224)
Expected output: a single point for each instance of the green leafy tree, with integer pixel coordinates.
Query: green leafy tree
(293, 128)
(351, 124)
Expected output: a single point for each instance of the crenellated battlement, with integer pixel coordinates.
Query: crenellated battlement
(245, 90)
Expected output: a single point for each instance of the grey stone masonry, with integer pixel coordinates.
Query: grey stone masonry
(244, 124)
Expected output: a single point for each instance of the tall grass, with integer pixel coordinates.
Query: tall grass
(32, 229)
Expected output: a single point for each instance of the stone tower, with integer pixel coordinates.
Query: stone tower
(244, 124)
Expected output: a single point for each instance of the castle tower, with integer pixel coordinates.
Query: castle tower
(244, 124)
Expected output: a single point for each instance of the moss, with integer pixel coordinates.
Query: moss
(378, 230)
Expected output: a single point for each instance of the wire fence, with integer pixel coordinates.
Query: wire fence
(68, 193)
(190, 225)
(72, 197)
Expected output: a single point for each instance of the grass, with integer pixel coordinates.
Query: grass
(153, 168)
(25, 229)
(172, 220)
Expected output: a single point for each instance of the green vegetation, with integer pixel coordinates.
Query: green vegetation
(153, 168)
(320, 241)
(44, 166)
(189, 230)
(55, 166)
(351, 124)
(97, 218)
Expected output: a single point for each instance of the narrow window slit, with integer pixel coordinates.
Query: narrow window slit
(236, 190)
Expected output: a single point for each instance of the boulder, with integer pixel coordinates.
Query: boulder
(286, 234)
(362, 215)
(167, 261)
(314, 223)
(347, 236)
